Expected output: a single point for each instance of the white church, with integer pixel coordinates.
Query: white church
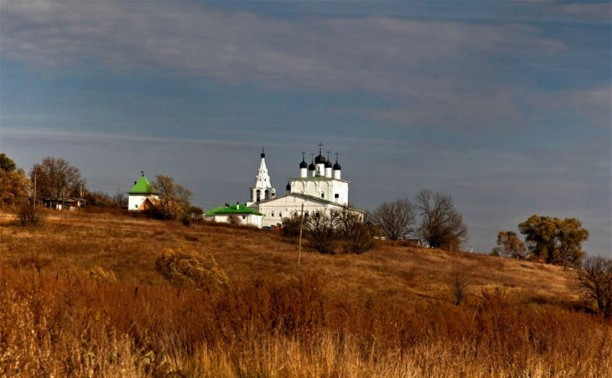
(319, 187)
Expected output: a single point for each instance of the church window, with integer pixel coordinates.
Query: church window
(272, 214)
(280, 214)
(258, 195)
(337, 195)
(322, 195)
(244, 217)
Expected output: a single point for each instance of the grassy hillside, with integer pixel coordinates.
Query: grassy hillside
(388, 312)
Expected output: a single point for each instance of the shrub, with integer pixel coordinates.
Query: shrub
(291, 227)
(321, 233)
(459, 282)
(233, 220)
(28, 215)
(102, 275)
(185, 269)
(360, 239)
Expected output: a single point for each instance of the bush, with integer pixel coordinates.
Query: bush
(185, 269)
(102, 275)
(321, 233)
(360, 239)
(28, 215)
(291, 227)
(233, 220)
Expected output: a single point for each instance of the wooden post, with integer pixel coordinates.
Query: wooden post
(34, 193)
(300, 240)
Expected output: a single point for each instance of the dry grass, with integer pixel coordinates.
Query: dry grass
(388, 312)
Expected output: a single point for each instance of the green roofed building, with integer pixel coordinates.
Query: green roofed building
(236, 214)
(142, 195)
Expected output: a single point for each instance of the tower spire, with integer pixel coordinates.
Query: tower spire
(263, 152)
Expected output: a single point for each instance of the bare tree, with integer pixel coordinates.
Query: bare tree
(173, 197)
(350, 226)
(595, 282)
(321, 233)
(510, 245)
(441, 225)
(56, 178)
(395, 219)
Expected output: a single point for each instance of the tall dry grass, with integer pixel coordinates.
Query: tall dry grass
(77, 326)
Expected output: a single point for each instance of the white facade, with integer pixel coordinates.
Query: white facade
(244, 219)
(325, 188)
(290, 205)
(136, 201)
(262, 190)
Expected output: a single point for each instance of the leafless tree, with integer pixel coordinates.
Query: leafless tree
(441, 225)
(56, 178)
(595, 282)
(321, 232)
(395, 219)
(173, 197)
(358, 235)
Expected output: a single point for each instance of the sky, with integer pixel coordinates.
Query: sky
(504, 105)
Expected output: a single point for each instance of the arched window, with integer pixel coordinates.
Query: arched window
(272, 214)
(267, 194)
(322, 195)
(258, 195)
(280, 214)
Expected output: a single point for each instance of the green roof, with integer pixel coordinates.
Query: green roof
(142, 186)
(232, 209)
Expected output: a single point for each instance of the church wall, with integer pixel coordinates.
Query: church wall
(136, 200)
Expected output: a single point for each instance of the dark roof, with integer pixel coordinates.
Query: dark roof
(311, 167)
(303, 164)
(337, 167)
(320, 159)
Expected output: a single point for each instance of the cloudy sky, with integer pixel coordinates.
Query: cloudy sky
(505, 105)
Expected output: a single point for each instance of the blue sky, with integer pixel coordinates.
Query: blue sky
(503, 105)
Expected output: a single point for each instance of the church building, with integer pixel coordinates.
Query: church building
(319, 188)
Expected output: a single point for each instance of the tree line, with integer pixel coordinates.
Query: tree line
(56, 179)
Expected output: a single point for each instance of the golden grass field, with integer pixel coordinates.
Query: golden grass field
(388, 312)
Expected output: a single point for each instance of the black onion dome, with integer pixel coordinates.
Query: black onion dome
(337, 167)
(311, 167)
(328, 164)
(303, 164)
(262, 155)
(320, 159)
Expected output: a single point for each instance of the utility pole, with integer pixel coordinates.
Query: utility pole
(34, 192)
(300, 240)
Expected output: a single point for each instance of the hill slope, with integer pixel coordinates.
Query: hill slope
(387, 312)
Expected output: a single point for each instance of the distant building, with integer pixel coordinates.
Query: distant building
(262, 190)
(142, 196)
(319, 188)
(241, 214)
